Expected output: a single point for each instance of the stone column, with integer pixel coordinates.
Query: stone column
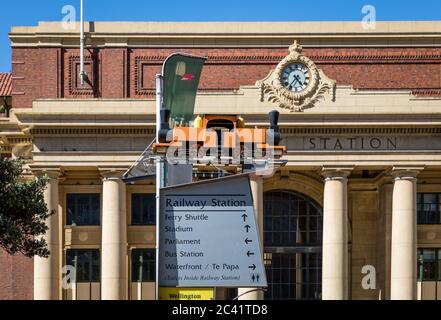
(384, 236)
(47, 270)
(335, 235)
(404, 235)
(114, 238)
(256, 183)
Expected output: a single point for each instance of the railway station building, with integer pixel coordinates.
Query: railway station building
(354, 213)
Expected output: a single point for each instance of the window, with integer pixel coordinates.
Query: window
(293, 276)
(143, 265)
(83, 209)
(143, 209)
(86, 264)
(291, 220)
(293, 228)
(429, 265)
(428, 206)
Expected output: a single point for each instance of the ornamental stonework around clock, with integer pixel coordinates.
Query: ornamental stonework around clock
(296, 83)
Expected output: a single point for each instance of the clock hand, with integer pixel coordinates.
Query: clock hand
(298, 80)
(290, 85)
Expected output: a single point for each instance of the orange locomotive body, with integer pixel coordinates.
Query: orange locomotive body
(224, 132)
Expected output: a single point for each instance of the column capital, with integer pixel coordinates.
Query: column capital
(336, 172)
(111, 174)
(51, 172)
(406, 172)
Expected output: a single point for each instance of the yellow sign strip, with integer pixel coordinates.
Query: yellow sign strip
(186, 293)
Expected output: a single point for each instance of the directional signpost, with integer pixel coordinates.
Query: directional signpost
(208, 235)
(206, 231)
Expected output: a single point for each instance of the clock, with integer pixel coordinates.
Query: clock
(295, 77)
(296, 83)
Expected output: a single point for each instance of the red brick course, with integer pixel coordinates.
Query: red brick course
(129, 73)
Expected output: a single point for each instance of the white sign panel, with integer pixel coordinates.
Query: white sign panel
(208, 235)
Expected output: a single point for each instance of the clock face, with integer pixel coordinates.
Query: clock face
(295, 77)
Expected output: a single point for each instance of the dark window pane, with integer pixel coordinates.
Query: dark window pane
(285, 290)
(267, 237)
(428, 208)
(143, 209)
(313, 237)
(429, 271)
(143, 265)
(430, 198)
(83, 209)
(428, 265)
(284, 223)
(276, 238)
(86, 263)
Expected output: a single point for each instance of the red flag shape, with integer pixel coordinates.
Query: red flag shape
(187, 77)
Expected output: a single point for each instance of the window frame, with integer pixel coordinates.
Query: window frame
(437, 261)
(90, 278)
(66, 216)
(142, 223)
(152, 262)
(420, 195)
(278, 226)
(303, 245)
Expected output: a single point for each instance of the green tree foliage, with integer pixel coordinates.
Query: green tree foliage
(23, 212)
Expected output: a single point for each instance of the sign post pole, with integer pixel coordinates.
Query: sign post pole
(159, 181)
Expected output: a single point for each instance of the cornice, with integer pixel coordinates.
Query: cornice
(120, 34)
(237, 28)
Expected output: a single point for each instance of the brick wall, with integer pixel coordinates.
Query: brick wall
(129, 73)
(16, 277)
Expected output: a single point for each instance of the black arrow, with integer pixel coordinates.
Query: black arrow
(244, 216)
(252, 267)
(257, 277)
(247, 227)
(253, 277)
(248, 240)
(249, 253)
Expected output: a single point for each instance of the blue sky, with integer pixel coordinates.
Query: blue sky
(29, 12)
